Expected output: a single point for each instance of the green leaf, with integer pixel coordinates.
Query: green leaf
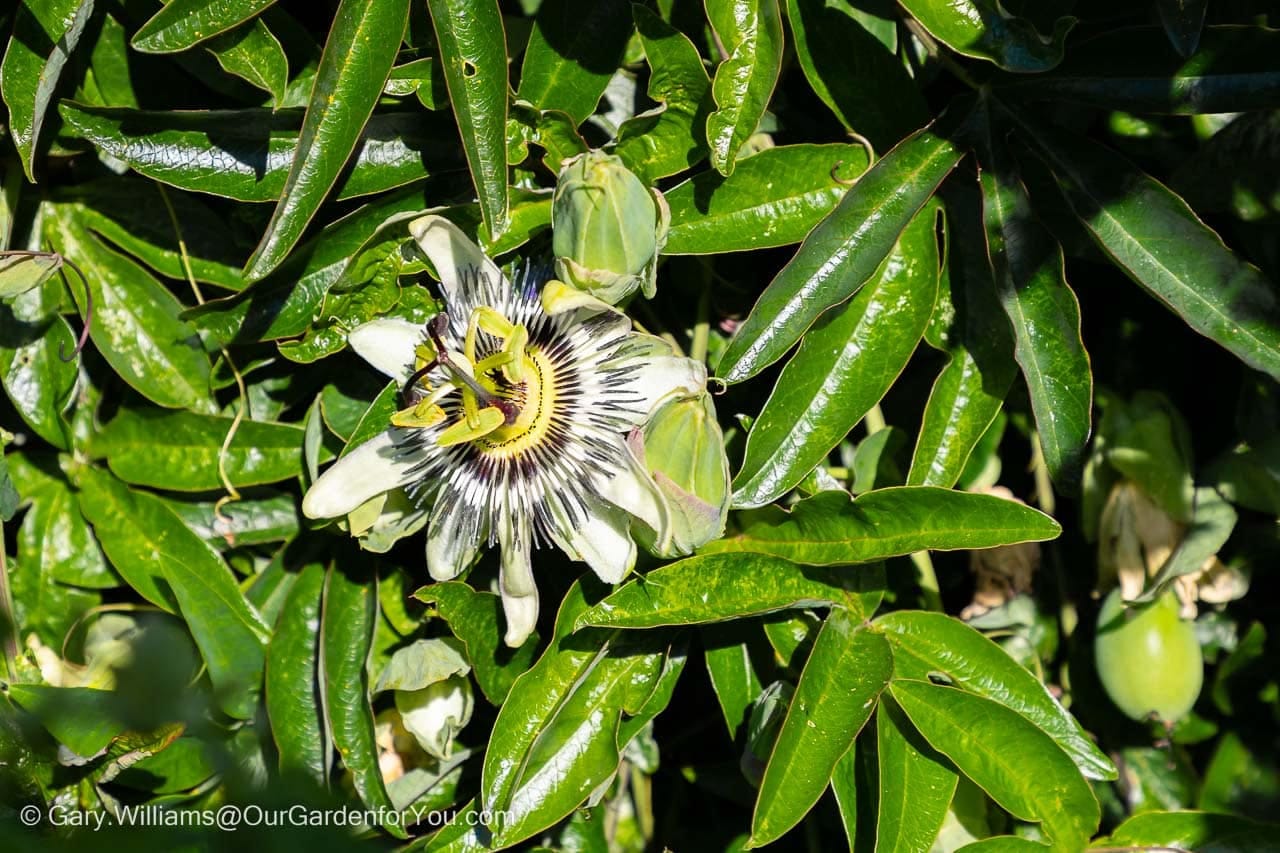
(853, 355)
(1250, 475)
(181, 450)
(916, 784)
(717, 588)
(1192, 830)
(55, 540)
(347, 619)
(133, 216)
(85, 719)
(21, 272)
(838, 690)
(473, 56)
(1031, 280)
(830, 528)
(474, 618)
(1136, 69)
(293, 697)
(253, 54)
(574, 48)
(1157, 240)
(864, 84)
(749, 32)
(925, 644)
(967, 395)
(556, 737)
(135, 323)
(727, 649)
(246, 154)
(250, 521)
(358, 55)
(44, 35)
(1013, 761)
(167, 564)
(33, 339)
(774, 198)
(983, 30)
(284, 304)
(671, 137)
(841, 254)
(184, 23)
(1147, 441)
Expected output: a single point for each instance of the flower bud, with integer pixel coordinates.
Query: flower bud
(683, 449)
(435, 714)
(607, 228)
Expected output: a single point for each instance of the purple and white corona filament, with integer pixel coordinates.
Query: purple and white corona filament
(516, 425)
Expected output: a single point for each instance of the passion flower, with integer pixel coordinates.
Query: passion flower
(515, 427)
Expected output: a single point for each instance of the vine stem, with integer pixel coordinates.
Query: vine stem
(702, 328)
(10, 618)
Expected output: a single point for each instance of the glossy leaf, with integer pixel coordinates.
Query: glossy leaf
(184, 23)
(716, 588)
(475, 618)
(347, 619)
(860, 81)
(473, 56)
(293, 698)
(1192, 830)
(837, 693)
(932, 643)
(727, 650)
(358, 55)
(853, 354)
(84, 718)
(574, 48)
(135, 321)
(55, 541)
(132, 215)
(749, 32)
(556, 737)
(671, 137)
(774, 198)
(916, 784)
(1012, 760)
(249, 521)
(968, 394)
(33, 338)
(171, 567)
(253, 54)
(831, 528)
(246, 154)
(44, 35)
(181, 450)
(841, 254)
(284, 304)
(1031, 281)
(1157, 240)
(1137, 69)
(982, 29)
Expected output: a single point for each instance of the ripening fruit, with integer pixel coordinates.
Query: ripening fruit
(1148, 658)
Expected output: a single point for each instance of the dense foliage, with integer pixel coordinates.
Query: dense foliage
(986, 292)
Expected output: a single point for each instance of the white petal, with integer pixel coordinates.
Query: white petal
(603, 542)
(665, 376)
(372, 468)
(453, 538)
(450, 252)
(515, 583)
(633, 490)
(388, 345)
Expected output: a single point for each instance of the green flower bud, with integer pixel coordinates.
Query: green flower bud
(607, 228)
(683, 449)
(435, 714)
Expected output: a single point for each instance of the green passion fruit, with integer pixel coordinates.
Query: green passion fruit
(1148, 658)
